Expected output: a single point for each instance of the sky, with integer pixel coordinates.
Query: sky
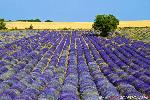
(74, 10)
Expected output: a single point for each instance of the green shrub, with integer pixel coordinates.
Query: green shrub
(30, 27)
(65, 28)
(105, 24)
(14, 28)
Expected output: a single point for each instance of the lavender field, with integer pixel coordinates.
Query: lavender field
(73, 65)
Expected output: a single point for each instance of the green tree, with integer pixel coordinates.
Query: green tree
(30, 20)
(105, 24)
(2, 20)
(2, 24)
(37, 20)
(48, 21)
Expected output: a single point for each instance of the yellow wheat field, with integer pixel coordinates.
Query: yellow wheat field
(72, 25)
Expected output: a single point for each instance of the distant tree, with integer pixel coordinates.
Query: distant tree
(30, 20)
(8, 20)
(2, 20)
(37, 20)
(48, 21)
(105, 24)
(2, 24)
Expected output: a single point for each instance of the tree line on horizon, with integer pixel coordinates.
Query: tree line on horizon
(25, 20)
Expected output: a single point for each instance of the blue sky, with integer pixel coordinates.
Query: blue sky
(74, 10)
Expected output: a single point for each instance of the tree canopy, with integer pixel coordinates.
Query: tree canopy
(105, 24)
